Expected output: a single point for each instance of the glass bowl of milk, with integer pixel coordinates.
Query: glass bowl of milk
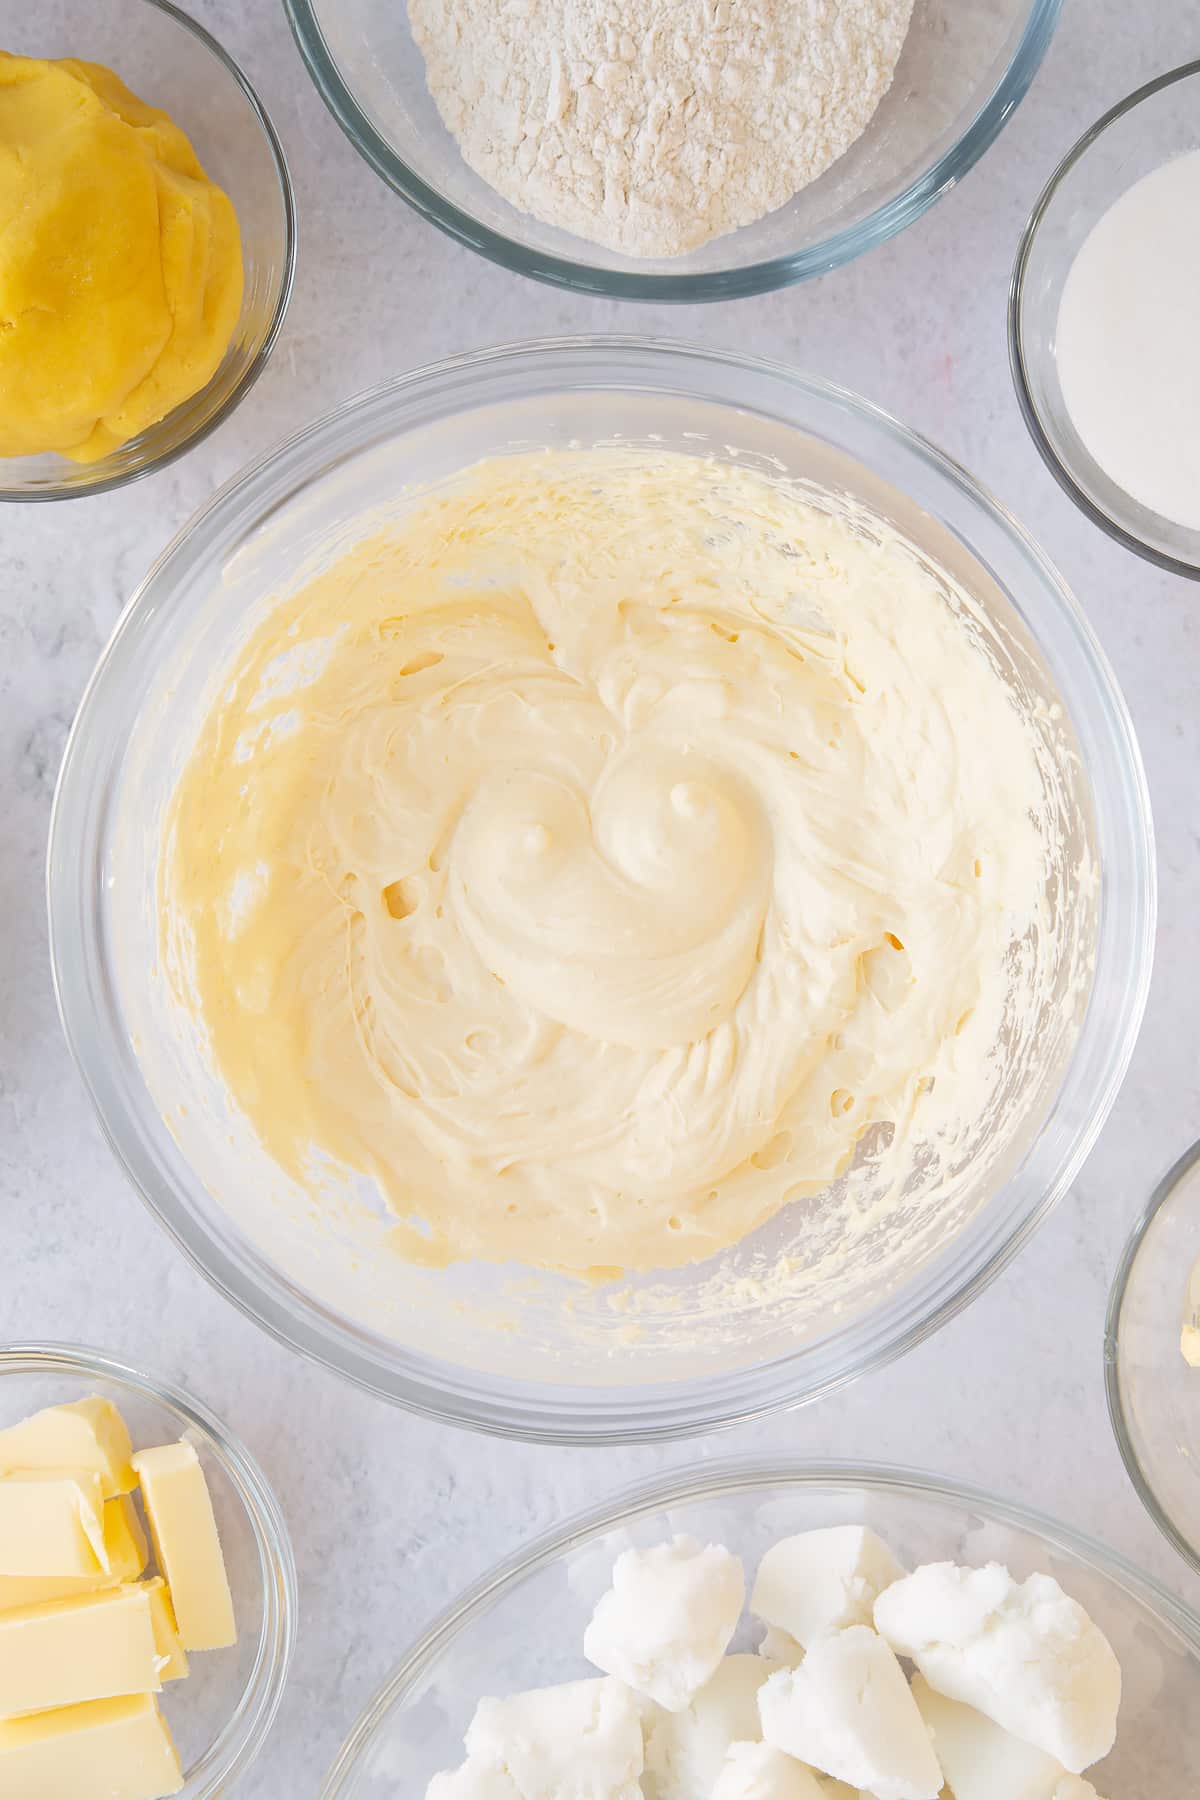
(1104, 322)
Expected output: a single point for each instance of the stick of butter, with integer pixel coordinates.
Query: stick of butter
(93, 1648)
(172, 1657)
(52, 1523)
(186, 1543)
(127, 1551)
(119, 1748)
(86, 1434)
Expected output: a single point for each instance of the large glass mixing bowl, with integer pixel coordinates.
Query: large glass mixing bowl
(966, 66)
(522, 1625)
(513, 1350)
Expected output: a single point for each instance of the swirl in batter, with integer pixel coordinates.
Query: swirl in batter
(593, 857)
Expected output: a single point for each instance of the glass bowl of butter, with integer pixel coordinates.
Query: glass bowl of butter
(1152, 1356)
(148, 1600)
(530, 1206)
(147, 282)
(522, 1627)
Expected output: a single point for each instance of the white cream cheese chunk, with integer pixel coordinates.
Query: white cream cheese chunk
(475, 1779)
(761, 1772)
(579, 1741)
(848, 1711)
(822, 1581)
(685, 1750)
(667, 1620)
(982, 1761)
(780, 1647)
(1022, 1653)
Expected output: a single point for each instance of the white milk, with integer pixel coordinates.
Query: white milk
(1128, 341)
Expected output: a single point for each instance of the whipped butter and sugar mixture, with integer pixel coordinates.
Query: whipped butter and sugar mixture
(652, 126)
(594, 856)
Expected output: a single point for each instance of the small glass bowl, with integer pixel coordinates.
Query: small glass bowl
(1153, 1396)
(962, 74)
(171, 62)
(1137, 136)
(522, 1625)
(221, 1715)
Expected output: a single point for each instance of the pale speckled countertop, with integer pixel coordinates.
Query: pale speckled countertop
(391, 1515)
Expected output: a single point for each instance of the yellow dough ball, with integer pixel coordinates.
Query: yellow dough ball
(120, 262)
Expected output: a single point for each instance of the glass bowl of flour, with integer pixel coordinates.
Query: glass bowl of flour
(714, 945)
(672, 149)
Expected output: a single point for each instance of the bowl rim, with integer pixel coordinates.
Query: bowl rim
(516, 1412)
(1018, 361)
(261, 1697)
(1118, 1414)
(254, 368)
(944, 173)
(714, 1480)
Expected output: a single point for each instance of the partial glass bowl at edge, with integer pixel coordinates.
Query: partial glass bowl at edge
(1138, 135)
(1153, 1395)
(550, 1364)
(522, 1625)
(220, 1716)
(171, 62)
(962, 74)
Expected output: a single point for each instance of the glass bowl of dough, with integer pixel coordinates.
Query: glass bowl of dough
(1152, 1355)
(601, 890)
(147, 276)
(523, 1626)
(218, 1703)
(672, 152)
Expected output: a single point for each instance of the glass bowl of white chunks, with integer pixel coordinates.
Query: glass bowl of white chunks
(794, 1632)
(147, 1588)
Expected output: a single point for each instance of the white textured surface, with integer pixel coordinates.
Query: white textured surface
(390, 1515)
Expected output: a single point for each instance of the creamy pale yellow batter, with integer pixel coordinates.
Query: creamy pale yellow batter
(594, 856)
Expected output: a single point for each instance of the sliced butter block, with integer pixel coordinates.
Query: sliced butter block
(186, 1543)
(52, 1523)
(124, 1539)
(172, 1657)
(69, 1651)
(127, 1550)
(86, 1434)
(120, 1749)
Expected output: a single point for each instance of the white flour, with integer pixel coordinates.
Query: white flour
(651, 126)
